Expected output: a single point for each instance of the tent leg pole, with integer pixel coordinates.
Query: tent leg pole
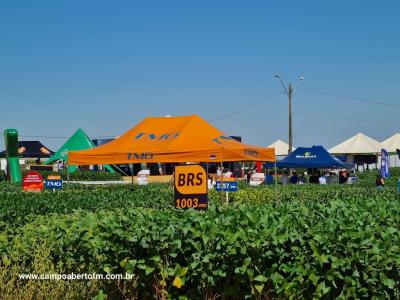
(222, 182)
(68, 174)
(276, 174)
(265, 174)
(131, 167)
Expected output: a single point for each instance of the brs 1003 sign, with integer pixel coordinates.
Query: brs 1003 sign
(191, 187)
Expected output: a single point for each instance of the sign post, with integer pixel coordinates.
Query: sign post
(32, 182)
(53, 182)
(143, 177)
(257, 179)
(191, 187)
(227, 185)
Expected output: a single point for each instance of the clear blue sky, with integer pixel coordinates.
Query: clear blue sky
(105, 65)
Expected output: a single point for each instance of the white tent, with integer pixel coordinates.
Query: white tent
(358, 144)
(281, 148)
(392, 143)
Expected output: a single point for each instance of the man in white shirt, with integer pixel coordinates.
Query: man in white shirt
(227, 173)
(322, 179)
(284, 178)
(219, 172)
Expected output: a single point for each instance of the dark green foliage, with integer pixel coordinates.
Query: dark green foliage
(83, 175)
(287, 241)
(367, 178)
(3, 176)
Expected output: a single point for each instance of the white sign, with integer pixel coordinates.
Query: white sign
(143, 177)
(3, 163)
(257, 179)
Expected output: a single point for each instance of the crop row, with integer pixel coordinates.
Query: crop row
(301, 248)
(17, 207)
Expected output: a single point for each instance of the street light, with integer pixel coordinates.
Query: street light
(289, 93)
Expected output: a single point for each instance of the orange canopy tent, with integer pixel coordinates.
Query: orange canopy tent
(171, 139)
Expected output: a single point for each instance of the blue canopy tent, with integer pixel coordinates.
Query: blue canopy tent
(316, 157)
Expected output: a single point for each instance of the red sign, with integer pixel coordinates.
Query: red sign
(32, 182)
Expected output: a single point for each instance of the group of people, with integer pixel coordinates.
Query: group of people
(314, 178)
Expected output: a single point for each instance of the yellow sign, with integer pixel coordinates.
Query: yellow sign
(54, 177)
(191, 187)
(229, 179)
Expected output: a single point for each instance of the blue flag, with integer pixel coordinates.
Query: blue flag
(384, 164)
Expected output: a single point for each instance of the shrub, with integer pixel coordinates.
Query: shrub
(269, 242)
(82, 175)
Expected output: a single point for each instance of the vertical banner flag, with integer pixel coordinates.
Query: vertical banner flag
(398, 152)
(384, 164)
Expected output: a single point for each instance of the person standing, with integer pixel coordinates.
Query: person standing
(294, 179)
(331, 178)
(302, 179)
(342, 177)
(248, 176)
(219, 172)
(322, 179)
(285, 178)
(314, 178)
(269, 179)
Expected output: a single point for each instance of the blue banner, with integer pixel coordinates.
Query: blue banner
(384, 164)
(229, 186)
(54, 184)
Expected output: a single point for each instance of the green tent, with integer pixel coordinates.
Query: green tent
(78, 141)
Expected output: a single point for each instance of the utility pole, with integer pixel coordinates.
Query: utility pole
(289, 93)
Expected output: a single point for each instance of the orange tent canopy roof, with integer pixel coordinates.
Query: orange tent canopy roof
(171, 139)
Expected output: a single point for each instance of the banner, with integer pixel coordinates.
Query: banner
(32, 182)
(384, 164)
(398, 152)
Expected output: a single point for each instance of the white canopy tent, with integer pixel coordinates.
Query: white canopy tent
(281, 148)
(360, 144)
(390, 145)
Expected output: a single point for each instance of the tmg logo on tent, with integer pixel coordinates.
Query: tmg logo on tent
(142, 155)
(252, 153)
(152, 136)
(220, 139)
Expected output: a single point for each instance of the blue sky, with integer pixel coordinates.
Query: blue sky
(105, 65)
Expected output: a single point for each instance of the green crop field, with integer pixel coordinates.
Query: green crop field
(300, 242)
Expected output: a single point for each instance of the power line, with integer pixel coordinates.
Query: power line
(266, 100)
(246, 107)
(211, 120)
(347, 118)
(349, 97)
